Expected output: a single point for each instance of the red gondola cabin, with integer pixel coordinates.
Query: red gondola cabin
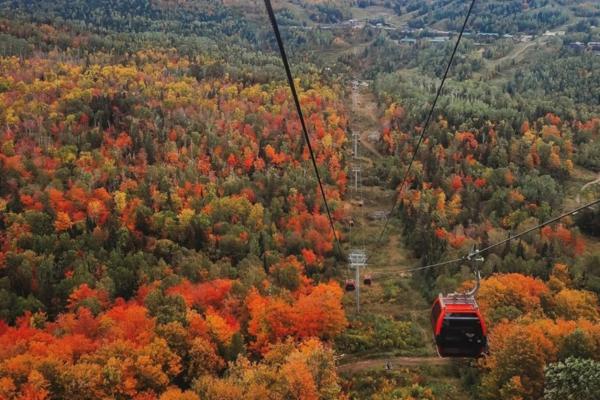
(367, 280)
(350, 285)
(458, 326)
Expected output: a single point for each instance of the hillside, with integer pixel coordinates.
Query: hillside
(502, 17)
(162, 232)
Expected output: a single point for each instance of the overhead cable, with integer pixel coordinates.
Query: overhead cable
(300, 115)
(427, 122)
(500, 243)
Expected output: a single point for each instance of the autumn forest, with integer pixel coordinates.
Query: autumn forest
(163, 234)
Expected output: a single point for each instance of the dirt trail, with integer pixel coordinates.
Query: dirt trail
(587, 185)
(364, 116)
(520, 51)
(394, 362)
(388, 257)
(515, 55)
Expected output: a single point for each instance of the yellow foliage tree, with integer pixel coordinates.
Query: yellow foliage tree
(63, 221)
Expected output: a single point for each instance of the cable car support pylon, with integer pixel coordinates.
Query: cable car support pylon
(357, 259)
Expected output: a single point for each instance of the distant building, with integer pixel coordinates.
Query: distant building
(594, 46)
(489, 34)
(407, 31)
(438, 39)
(526, 38)
(555, 33)
(577, 46)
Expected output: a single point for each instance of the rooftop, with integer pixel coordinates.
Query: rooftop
(458, 299)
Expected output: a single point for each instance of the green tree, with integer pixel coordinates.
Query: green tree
(577, 344)
(574, 378)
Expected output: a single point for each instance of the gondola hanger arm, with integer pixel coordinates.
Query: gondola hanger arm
(474, 257)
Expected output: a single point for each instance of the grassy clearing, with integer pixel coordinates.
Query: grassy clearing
(442, 382)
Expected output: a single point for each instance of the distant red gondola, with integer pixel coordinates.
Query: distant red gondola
(350, 285)
(367, 280)
(458, 326)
